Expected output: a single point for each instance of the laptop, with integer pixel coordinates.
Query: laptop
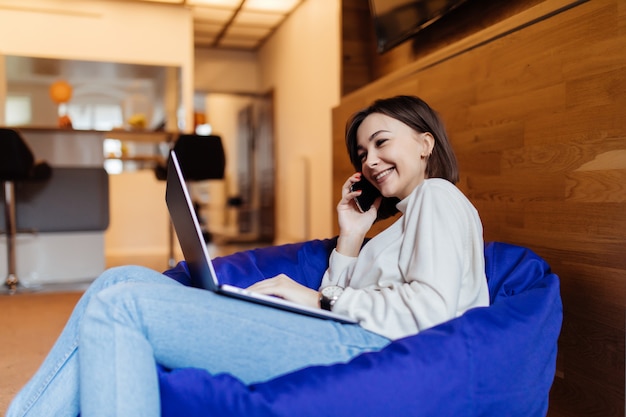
(194, 249)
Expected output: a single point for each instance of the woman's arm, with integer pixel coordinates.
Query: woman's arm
(437, 263)
(284, 287)
(353, 225)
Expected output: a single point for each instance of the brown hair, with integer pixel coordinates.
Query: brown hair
(418, 115)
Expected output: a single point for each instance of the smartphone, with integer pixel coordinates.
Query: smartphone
(368, 195)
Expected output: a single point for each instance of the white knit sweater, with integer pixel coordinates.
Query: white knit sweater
(426, 268)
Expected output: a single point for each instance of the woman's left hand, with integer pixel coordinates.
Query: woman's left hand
(284, 287)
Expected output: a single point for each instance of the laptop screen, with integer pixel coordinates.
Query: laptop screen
(187, 226)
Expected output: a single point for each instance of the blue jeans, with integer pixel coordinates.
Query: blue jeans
(132, 318)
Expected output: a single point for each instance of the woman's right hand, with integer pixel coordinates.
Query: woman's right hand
(353, 225)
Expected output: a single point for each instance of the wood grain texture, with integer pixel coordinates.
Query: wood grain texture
(357, 45)
(535, 106)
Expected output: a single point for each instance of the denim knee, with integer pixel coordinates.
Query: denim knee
(130, 273)
(116, 293)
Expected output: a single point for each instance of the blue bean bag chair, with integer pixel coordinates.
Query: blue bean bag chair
(492, 361)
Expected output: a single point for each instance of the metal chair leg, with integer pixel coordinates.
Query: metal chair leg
(11, 282)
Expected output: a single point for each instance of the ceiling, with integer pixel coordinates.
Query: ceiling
(234, 24)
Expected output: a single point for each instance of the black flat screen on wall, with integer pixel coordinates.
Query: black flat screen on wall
(395, 21)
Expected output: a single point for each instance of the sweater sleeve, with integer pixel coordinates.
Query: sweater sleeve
(433, 259)
(339, 270)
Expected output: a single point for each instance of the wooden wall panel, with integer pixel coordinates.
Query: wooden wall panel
(535, 107)
(357, 45)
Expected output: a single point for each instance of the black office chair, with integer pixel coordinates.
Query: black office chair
(17, 163)
(201, 158)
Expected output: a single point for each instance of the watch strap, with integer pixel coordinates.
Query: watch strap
(326, 303)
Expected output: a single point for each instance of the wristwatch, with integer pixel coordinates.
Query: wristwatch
(329, 295)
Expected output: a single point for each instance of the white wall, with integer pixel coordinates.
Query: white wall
(218, 71)
(139, 221)
(301, 62)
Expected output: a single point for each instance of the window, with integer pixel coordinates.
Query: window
(95, 116)
(18, 110)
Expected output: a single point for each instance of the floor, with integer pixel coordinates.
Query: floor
(26, 337)
(32, 321)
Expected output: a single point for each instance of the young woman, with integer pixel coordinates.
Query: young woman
(426, 268)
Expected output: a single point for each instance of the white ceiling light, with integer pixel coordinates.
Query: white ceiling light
(258, 19)
(276, 6)
(212, 14)
(233, 24)
(231, 4)
(169, 1)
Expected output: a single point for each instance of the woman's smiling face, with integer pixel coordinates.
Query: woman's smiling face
(393, 155)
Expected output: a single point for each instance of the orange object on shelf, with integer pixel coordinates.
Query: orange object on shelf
(60, 92)
(65, 122)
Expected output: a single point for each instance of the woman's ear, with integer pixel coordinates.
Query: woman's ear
(429, 143)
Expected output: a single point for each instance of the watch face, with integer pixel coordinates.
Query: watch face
(332, 291)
